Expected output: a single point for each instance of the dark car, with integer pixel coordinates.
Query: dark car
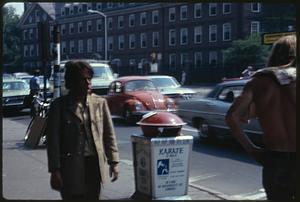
(131, 97)
(208, 114)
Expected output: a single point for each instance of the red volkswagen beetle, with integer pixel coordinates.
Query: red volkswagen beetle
(130, 97)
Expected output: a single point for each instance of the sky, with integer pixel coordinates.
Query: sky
(18, 6)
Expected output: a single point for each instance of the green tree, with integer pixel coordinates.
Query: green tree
(246, 52)
(11, 38)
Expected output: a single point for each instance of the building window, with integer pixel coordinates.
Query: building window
(198, 10)
(31, 50)
(183, 36)
(198, 59)
(255, 7)
(24, 34)
(63, 29)
(89, 26)
(131, 41)
(198, 35)
(213, 58)
(109, 5)
(212, 33)
(71, 28)
(143, 40)
(80, 8)
(121, 42)
(155, 39)
(212, 9)
(80, 28)
(25, 51)
(110, 43)
(72, 47)
(226, 32)
(172, 61)
(183, 12)
(71, 10)
(121, 5)
(226, 8)
(143, 19)
(99, 6)
(37, 49)
(99, 44)
(184, 59)
(90, 45)
(31, 34)
(172, 15)
(154, 17)
(110, 23)
(37, 16)
(131, 20)
(63, 47)
(255, 27)
(99, 24)
(120, 22)
(80, 46)
(172, 37)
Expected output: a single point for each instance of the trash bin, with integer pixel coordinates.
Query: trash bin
(161, 161)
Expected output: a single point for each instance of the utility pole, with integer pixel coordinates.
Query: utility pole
(56, 74)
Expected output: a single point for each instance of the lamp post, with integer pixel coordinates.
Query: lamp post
(105, 30)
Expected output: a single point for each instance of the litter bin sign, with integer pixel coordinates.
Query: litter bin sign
(162, 165)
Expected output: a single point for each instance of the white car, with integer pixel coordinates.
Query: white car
(169, 86)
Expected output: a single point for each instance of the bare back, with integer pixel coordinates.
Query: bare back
(276, 111)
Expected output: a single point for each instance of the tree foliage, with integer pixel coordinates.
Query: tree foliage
(246, 52)
(11, 37)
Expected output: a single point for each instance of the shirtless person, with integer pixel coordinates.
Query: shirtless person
(270, 96)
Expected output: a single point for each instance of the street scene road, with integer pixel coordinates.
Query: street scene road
(219, 168)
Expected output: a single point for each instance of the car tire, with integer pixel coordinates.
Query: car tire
(204, 131)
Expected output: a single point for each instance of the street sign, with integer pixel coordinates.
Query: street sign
(270, 38)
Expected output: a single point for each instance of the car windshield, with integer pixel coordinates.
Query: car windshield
(14, 86)
(165, 82)
(140, 85)
(102, 72)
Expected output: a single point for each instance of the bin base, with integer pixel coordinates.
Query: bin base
(141, 196)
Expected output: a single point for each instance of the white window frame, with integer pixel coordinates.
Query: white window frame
(224, 8)
(31, 34)
(110, 23)
(71, 11)
(254, 24)
(212, 55)
(172, 12)
(109, 5)
(155, 15)
(71, 26)
(198, 32)
(197, 7)
(143, 15)
(183, 9)
(80, 25)
(89, 6)
(110, 43)
(131, 19)
(25, 53)
(99, 6)
(143, 39)
(80, 8)
(80, 46)
(172, 57)
(37, 15)
(253, 9)
(63, 47)
(63, 29)
(89, 44)
(120, 22)
(172, 35)
(226, 28)
(99, 44)
(213, 29)
(121, 40)
(211, 6)
(62, 11)
(89, 24)
(25, 33)
(132, 40)
(99, 22)
(72, 47)
(183, 32)
(31, 50)
(196, 56)
(184, 57)
(155, 37)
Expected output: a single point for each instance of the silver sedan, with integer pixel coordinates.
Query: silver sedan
(208, 114)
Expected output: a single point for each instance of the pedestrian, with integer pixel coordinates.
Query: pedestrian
(183, 77)
(248, 72)
(270, 96)
(34, 85)
(81, 142)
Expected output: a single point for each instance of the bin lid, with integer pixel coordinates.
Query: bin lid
(161, 119)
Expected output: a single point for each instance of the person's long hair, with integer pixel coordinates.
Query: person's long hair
(283, 52)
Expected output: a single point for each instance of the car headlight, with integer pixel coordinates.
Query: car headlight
(170, 104)
(138, 106)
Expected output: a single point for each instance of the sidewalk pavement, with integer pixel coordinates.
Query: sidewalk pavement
(124, 187)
